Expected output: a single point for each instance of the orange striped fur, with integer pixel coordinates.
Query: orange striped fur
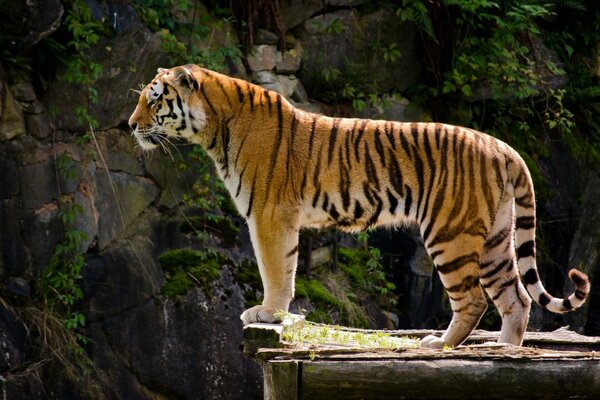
(470, 194)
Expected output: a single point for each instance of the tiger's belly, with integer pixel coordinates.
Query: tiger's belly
(354, 219)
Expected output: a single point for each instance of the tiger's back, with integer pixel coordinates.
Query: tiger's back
(470, 194)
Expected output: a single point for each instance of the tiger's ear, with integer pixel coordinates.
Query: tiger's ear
(184, 78)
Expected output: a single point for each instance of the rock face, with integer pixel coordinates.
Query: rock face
(353, 45)
(26, 22)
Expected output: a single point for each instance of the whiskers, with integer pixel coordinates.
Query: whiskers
(157, 136)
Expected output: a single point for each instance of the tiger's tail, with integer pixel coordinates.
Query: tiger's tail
(525, 244)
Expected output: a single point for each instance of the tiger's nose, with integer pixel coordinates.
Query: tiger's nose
(133, 125)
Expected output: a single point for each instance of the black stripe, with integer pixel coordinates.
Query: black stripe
(465, 285)
(457, 263)
(527, 249)
(251, 97)
(293, 251)
(498, 238)
(436, 253)
(239, 188)
(580, 295)
(421, 182)
(213, 143)
(395, 174)
(316, 197)
(334, 212)
(240, 93)
(567, 304)
(525, 222)
(390, 134)
(502, 288)
(370, 169)
(379, 146)
(407, 200)
(358, 210)
(212, 108)
(432, 168)
(404, 144)
(496, 269)
(361, 132)
(344, 183)
(375, 215)
(393, 202)
(279, 139)
(251, 200)
(332, 139)
(531, 277)
(225, 138)
(325, 205)
(544, 299)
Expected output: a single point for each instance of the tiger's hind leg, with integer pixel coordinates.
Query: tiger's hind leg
(500, 277)
(457, 263)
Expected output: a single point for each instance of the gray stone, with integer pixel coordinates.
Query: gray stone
(127, 60)
(34, 107)
(299, 94)
(42, 230)
(12, 123)
(262, 77)
(18, 287)
(120, 198)
(320, 256)
(289, 61)
(24, 23)
(13, 255)
(123, 276)
(262, 58)
(39, 125)
(173, 182)
(393, 108)
(295, 12)
(264, 36)
(23, 91)
(38, 183)
(117, 147)
(188, 346)
(286, 84)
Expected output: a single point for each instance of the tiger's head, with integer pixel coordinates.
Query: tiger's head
(169, 108)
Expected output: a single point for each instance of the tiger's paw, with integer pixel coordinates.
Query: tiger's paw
(259, 313)
(432, 342)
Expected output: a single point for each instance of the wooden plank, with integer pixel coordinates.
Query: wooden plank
(450, 379)
(281, 380)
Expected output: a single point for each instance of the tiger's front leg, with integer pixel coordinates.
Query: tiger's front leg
(274, 235)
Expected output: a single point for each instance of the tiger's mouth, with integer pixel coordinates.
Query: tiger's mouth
(155, 138)
(149, 141)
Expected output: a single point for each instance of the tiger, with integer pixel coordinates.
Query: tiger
(470, 195)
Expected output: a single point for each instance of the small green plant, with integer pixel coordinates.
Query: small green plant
(186, 268)
(314, 334)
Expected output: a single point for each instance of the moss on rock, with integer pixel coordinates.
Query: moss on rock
(185, 268)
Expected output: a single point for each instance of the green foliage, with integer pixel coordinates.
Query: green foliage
(186, 268)
(314, 290)
(178, 35)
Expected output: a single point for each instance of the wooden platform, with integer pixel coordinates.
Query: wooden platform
(557, 365)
